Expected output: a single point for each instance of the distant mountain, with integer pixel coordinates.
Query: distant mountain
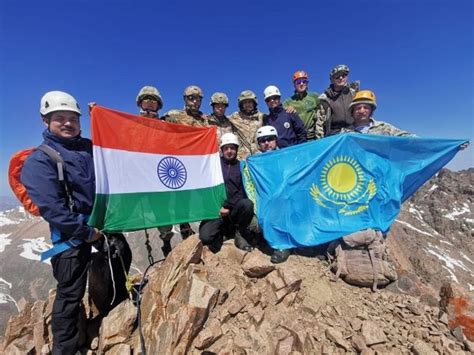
(8, 202)
(431, 239)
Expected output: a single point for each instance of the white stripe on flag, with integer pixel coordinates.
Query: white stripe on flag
(120, 171)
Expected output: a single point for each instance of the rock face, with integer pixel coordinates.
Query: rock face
(197, 301)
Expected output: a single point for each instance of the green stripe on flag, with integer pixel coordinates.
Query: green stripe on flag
(135, 211)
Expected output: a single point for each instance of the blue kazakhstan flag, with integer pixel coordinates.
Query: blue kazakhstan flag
(316, 192)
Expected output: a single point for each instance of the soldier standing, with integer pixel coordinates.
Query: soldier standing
(333, 112)
(219, 103)
(247, 120)
(149, 101)
(190, 115)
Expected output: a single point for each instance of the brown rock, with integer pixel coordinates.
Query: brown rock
(118, 326)
(235, 307)
(21, 346)
(19, 329)
(367, 351)
(458, 303)
(373, 333)
(421, 348)
(358, 342)
(208, 335)
(120, 349)
(336, 337)
(356, 324)
(257, 264)
(257, 314)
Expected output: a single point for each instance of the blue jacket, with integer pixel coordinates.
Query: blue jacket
(40, 177)
(234, 186)
(289, 126)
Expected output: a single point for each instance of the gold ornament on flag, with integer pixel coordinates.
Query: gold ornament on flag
(343, 185)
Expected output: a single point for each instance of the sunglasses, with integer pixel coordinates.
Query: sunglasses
(266, 139)
(272, 98)
(149, 99)
(301, 81)
(339, 75)
(193, 97)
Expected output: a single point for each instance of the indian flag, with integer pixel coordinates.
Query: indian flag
(151, 173)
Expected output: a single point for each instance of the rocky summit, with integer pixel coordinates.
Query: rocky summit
(233, 302)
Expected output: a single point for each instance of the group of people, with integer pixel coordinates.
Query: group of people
(303, 117)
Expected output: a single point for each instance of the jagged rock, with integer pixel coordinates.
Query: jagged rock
(178, 300)
(458, 303)
(19, 329)
(421, 348)
(373, 333)
(283, 283)
(356, 324)
(257, 314)
(336, 337)
(120, 349)
(358, 342)
(208, 335)
(257, 264)
(118, 326)
(21, 346)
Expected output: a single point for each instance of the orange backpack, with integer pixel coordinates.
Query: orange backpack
(14, 175)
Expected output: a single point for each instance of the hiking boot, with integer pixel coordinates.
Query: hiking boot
(280, 255)
(186, 230)
(241, 242)
(166, 248)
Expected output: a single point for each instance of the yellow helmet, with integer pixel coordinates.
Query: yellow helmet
(364, 97)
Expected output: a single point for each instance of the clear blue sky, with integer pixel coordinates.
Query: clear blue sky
(417, 56)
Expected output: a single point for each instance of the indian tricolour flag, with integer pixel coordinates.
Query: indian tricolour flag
(151, 173)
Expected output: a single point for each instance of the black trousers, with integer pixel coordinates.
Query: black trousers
(240, 216)
(70, 271)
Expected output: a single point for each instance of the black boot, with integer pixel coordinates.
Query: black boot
(280, 255)
(186, 230)
(241, 242)
(166, 247)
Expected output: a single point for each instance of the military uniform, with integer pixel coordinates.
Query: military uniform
(186, 117)
(305, 105)
(333, 112)
(247, 126)
(223, 125)
(378, 127)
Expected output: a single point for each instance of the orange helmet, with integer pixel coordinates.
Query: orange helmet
(300, 74)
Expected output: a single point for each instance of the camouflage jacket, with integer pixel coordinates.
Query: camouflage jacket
(380, 128)
(247, 126)
(306, 108)
(223, 125)
(186, 117)
(332, 113)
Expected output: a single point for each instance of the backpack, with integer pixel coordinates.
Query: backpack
(362, 259)
(14, 176)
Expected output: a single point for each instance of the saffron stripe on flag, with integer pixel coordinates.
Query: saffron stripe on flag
(162, 137)
(134, 211)
(128, 172)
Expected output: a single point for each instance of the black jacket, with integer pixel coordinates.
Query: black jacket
(233, 182)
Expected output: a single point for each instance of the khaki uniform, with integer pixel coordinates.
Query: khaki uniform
(223, 125)
(247, 126)
(186, 117)
(380, 128)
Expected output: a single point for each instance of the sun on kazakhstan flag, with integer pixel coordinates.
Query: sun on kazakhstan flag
(316, 192)
(151, 173)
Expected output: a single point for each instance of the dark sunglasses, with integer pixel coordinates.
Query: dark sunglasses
(266, 139)
(301, 81)
(272, 98)
(193, 97)
(149, 99)
(340, 75)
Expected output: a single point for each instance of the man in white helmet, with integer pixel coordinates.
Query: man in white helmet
(66, 213)
(289, 126)
(267, 138)
(237, 210)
